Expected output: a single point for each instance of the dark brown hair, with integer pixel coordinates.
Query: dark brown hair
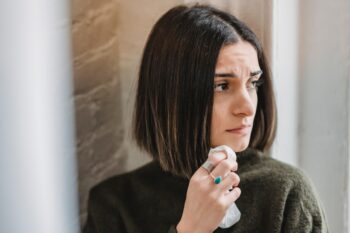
(175, 92)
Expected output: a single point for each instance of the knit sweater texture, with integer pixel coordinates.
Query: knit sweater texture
(275, 197)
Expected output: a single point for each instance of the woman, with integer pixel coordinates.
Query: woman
(204, 82)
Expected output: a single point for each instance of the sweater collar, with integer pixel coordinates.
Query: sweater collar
(248, 155)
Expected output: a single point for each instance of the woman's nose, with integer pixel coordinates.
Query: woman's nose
(244, 103)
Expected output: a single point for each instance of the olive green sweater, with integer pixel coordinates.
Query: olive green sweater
(276, 197)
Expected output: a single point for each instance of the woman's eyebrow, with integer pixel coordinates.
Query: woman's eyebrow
(255, 73)
(233, 75)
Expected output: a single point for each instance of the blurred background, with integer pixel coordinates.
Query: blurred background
(67, 85)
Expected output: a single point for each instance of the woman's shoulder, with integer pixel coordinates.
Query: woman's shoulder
(272, 172)
(146, 179)
(280, 168)
(298, 194)
(293, 180)
(287, 189)
(120, 183)
(287, 173)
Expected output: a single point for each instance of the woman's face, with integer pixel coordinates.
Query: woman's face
(235, 96)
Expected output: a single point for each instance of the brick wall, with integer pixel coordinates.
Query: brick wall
(99, 125)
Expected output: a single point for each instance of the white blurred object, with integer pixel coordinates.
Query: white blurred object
(38, 183)
(233, 214)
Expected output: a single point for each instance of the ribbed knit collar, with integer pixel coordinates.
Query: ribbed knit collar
(248, 154)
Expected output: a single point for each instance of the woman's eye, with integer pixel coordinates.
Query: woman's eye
(255, 84)
(221, 87)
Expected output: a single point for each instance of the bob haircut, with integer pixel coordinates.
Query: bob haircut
(175, 92)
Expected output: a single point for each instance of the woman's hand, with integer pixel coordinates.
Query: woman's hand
(206, 202)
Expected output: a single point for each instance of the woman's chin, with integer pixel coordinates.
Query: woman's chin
(238, 147)
(241, 149)
(237, 144)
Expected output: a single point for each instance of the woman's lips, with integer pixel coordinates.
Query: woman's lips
(241, 130)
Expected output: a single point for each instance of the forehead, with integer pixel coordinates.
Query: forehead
(239, 55)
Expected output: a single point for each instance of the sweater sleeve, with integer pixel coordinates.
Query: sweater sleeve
(102, 217)
(303, 211)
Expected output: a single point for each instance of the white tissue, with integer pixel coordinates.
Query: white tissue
(229, 152)
(233, 214)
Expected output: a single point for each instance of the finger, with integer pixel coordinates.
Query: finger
(217, 157)
(214, 159)
(224, 168)
(235, 168)
(232, 196)
(231, 180)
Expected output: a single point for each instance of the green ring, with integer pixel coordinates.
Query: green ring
(218, 180)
